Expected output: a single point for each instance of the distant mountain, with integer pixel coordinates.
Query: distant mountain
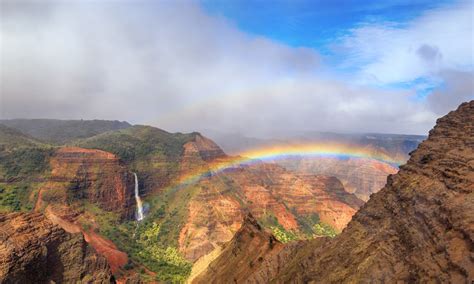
(12, 138)
(418, 228)
(236, 143)
(393, 144)
(359, 176)
(62, 131)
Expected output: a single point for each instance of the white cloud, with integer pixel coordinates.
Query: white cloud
(440, 39)
(170, 64)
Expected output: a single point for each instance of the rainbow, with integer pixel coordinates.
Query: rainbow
(276, 152)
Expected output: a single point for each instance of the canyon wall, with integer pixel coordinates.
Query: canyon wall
(33, 250)
(418, 228)
(275, 196)
(359, 175)
(97, 176)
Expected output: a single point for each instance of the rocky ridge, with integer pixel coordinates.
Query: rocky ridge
(33, 250)
(418, 228)
(251, 237)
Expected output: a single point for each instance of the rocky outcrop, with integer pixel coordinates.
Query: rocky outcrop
(212, 221)
(418, 228)
(33, 250)
(275, 196)
(243, 255)
(93, 175)
(197, 153)
(359, 176)
(206, 148)
(332, 189)
(300, 195)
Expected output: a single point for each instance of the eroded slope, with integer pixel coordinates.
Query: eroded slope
(418, 228)
(33, 250)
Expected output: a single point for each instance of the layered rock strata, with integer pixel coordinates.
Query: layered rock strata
(33, 250)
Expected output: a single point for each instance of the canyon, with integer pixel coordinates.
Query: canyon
(150, 204)
(418, 228)
(276, 197)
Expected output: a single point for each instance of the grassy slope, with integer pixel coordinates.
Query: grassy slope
(63, 131)
(24, 162)
(12, 138)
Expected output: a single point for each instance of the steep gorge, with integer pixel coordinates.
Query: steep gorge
(90, 188)
(418, 228)
(276, 197)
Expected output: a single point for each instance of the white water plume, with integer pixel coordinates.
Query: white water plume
(138, 200)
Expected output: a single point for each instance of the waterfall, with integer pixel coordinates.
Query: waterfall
(138, 200)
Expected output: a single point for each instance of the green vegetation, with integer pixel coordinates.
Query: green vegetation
(21, 170)
(152, 242)
(14, 197)
(139, 142)
(323, 229)
(24, 162)
(164, 259)
(283, 235)
(63, 131)
(310, 226)
(12, 138)
(270, 221)
(307, 222)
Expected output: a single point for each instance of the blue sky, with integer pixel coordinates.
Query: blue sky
(315, 23)
(320, 24)
(254, 67)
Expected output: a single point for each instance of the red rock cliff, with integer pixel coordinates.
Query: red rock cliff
(217, 209)
(94, 175)
(33, 250)
(418, 228)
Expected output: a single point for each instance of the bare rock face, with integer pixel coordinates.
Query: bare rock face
(418, 228)
(359, 176)
(243, 254)
(33, 250)
(94, 175)
(216, 211)
(202, 148)
(197, 153)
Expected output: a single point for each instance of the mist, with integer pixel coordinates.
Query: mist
(172, 65)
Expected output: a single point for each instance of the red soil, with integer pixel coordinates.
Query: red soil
(115, 257)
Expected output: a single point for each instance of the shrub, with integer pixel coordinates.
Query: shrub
(323, 229)
(24, 162)
(283, 235)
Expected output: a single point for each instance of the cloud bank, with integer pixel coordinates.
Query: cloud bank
(173, 66)
(433, 53)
